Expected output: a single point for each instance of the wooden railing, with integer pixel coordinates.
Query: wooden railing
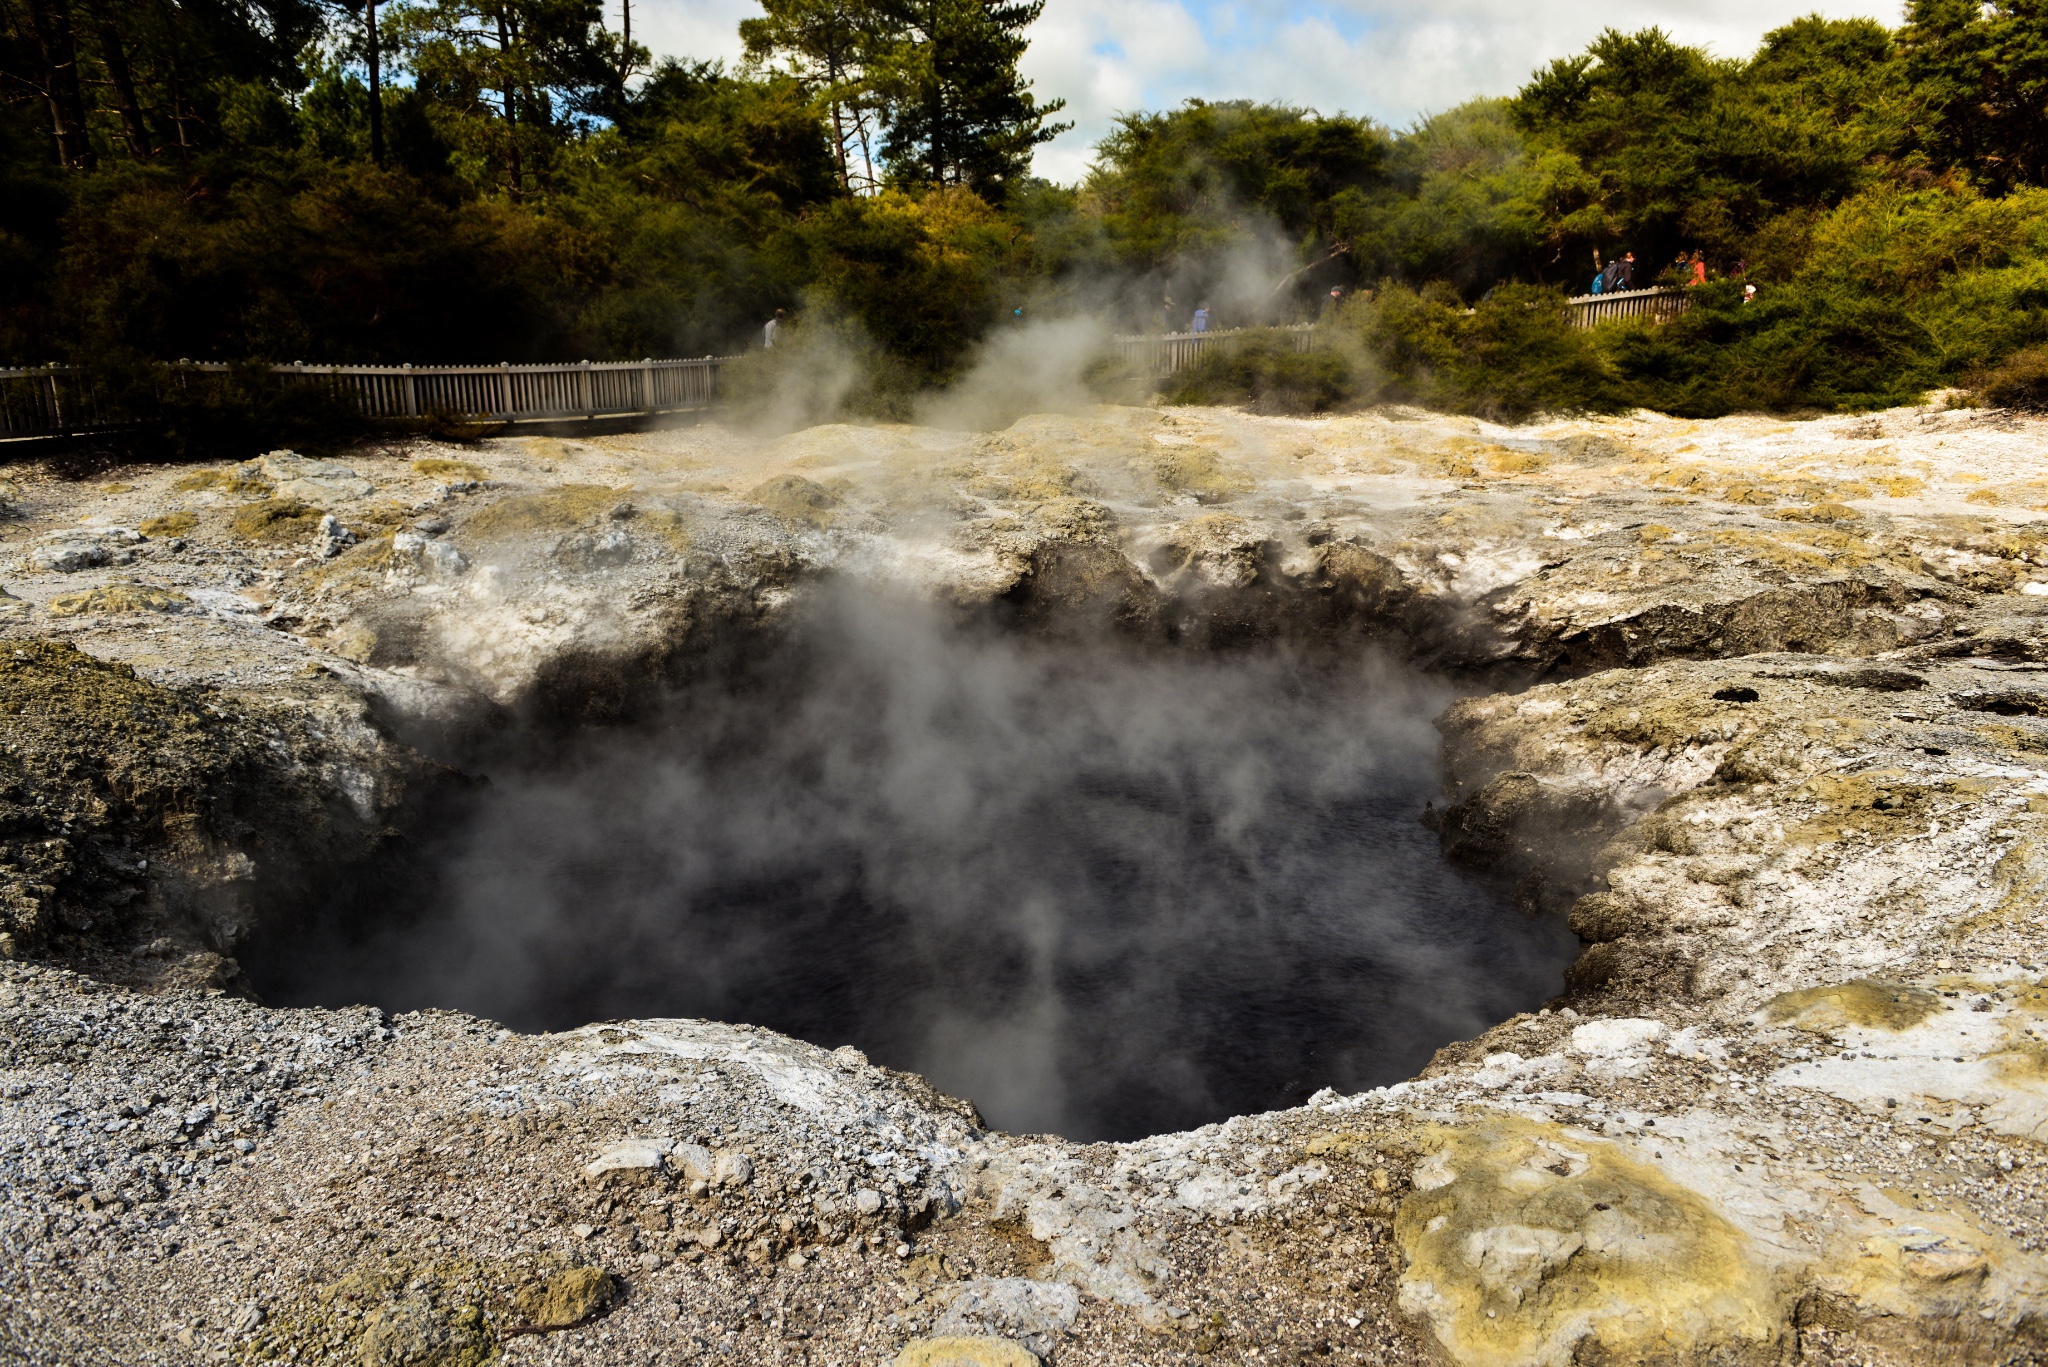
(1659, 305)
(58, 400)
(1172, 352)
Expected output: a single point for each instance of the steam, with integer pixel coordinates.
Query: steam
(1102, 892)
(1040, 366)
(1057, 355)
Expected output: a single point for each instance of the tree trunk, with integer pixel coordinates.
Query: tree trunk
(59, 52)
(838, 124)
(376, 82)
(114, 53)
(935, 101)
(511, 110)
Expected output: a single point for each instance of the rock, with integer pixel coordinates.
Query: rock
(734, 1169)
(76, 549)
(119, 598)
(569, 1297)
(583, 551)
(298, 478)
(1014, 1307)
(956, 1350)
(1526, 1243)
(1618, 1037)
(437, 559)
(695, 1162)
(412, 1333)
(635, 1158)
(1867, 1002)
(332, 538)
(867, 1201)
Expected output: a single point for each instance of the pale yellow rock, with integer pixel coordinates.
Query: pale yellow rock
(965, 1351)
(1528, 1244)
(119, 598)
(1867, 1002)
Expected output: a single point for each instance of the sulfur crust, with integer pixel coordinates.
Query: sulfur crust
(1547, 1246)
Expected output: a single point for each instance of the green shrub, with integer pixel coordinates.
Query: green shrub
(1268, 373)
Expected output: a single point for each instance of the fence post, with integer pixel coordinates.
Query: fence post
(505, 388)
(583, 384)
(56, 399)
(647, 384)
(412, 393)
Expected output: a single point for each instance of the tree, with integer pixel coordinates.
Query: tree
(958, 112)
(1982, 71)
(145, 76)
(829, 45)
(1191, 197)
(514, 79)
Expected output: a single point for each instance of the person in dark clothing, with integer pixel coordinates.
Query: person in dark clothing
(1627, 278)
(1611, 277)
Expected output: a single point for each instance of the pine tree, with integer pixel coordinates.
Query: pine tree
(1981, 70)
(957, 109)
(829, 46)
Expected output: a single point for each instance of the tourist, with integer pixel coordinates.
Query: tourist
(1202, 319)
(1748, 293)
(1627, 279)
(1699, 270)
(771, 331)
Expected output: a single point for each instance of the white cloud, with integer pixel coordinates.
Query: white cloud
(1391, 59)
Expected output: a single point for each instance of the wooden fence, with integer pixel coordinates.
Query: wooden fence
(1168, 354)
(1659, 305)
(59, 400)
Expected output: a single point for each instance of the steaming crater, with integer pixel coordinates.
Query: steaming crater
(1103, 893)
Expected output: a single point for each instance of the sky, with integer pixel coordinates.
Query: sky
(1394, 60)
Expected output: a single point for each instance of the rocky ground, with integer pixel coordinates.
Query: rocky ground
(1771, 729)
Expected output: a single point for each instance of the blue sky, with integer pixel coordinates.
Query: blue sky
(1391, 59)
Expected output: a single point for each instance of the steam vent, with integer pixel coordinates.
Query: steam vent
(1139, 886)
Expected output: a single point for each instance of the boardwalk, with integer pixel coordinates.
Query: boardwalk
(1658, 305)
(61, 400)
(1160, 355)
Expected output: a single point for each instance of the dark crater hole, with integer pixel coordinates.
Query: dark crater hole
(1102, 891)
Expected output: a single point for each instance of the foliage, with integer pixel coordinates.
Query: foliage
(1981, 72)
(1268, 373)
(184, 179)
(936, 80)
(1226, 198)
(958, 112)
(2020, 381)
(165, 415)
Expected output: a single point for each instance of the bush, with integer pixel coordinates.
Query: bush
(2020, 382)
(156, 412)
(1267, 373)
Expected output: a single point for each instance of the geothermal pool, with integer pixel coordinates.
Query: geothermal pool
(1101, 891)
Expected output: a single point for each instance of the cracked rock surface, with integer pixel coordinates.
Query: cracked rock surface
(1769, 727)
